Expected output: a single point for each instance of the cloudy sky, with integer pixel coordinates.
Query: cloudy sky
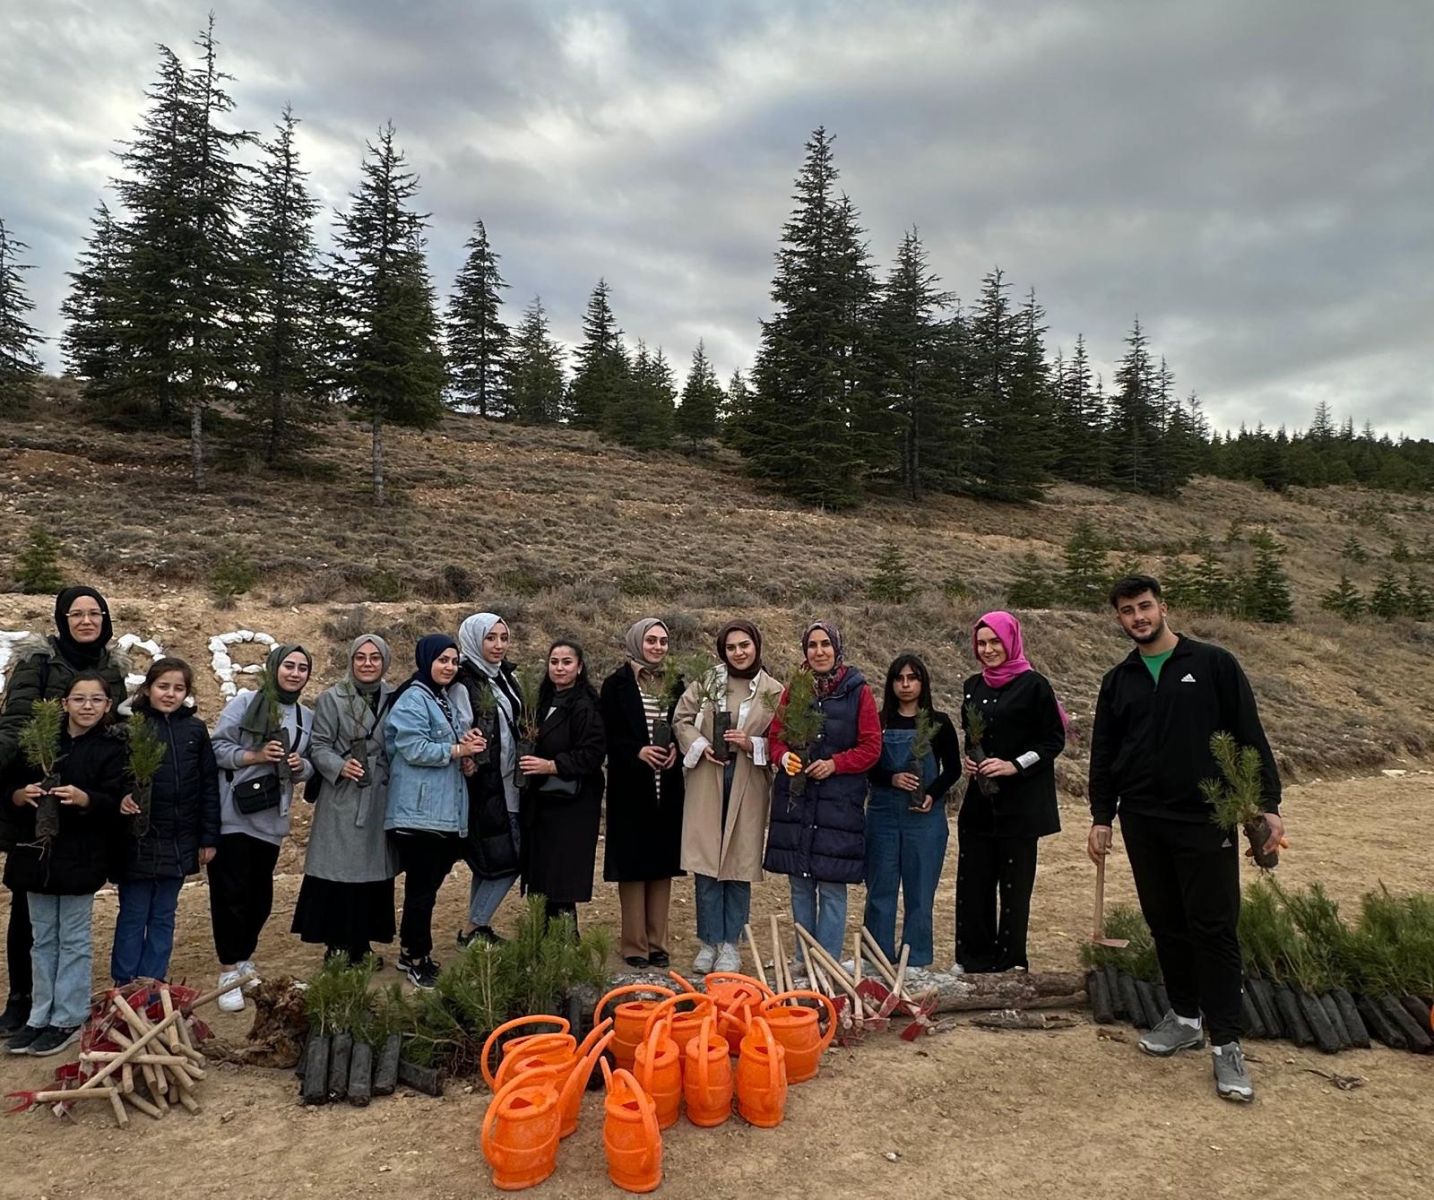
(1254, 180)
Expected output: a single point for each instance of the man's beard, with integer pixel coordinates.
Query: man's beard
(1153, 636)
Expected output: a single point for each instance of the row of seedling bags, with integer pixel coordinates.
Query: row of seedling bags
(1310, 976)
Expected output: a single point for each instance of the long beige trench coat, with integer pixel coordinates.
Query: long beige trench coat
(709, 847)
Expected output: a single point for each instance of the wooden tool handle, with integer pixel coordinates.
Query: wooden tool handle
(1099, 898)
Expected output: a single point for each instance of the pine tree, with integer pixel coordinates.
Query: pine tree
(891, 581)
(701, 398)
(1387, 599)
(1032, 587)
(478, 340)
(282, 386)
(1400, 551)
(1079, 422)
(797, 434)
(392, 368)
(1343, 599)
(1418, 603)
(19, 368)
(911, 371)
(736, 411)
(535, 370)
(1084, 583)
(1213, 591)
(641, 415)
(92, 343)
(1265, 593)
(1352, 551)
(600, 376)
(1134, 428)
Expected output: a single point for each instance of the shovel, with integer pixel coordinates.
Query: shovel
(1098, 937)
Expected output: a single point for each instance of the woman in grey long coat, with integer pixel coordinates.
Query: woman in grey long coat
(346, 900)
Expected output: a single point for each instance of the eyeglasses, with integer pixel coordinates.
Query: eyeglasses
(89, 614)
(87, 701)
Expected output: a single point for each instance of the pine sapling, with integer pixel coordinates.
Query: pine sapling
(146, 753)
(530, 684)
(1235, 797)
(711, 693)
(486, 718)
(802, 723)
(276, 732)
(40, 744)
(975, 733)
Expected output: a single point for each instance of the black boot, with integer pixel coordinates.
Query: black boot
(17, 1012)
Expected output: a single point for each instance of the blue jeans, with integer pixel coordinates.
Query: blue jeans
(61, 959)
(144, 931)
(904, 850)
(820, 908)
(723, 906)
(484, 895)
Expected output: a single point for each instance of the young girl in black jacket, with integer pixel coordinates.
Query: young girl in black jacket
(61, 874)
(183, 827)
(1011, 800)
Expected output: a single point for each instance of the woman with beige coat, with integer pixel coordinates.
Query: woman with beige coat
(728, 788)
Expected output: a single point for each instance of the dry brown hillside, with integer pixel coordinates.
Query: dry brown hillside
(559, 531)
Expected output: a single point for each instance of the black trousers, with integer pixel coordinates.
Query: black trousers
(19, 940)
(426, 858)
(994, 880)
(1187, 875)
(241, 894)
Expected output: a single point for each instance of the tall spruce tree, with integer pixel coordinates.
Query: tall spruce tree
(93, 340)
(478, 340)
(911, 360)
(600, 373)
(1134, 420)
(1265, 592)
(535, 370)
(1080, 421)
(392, 368)
(19, 368)
(798, 432)
(281, 390)
(735, 412)
(641, 415)
(696, 418)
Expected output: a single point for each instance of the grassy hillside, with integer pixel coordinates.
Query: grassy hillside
(560, 532)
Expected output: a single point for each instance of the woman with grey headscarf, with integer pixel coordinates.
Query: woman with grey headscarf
(494, 836)
(346, 899)
(644, 793)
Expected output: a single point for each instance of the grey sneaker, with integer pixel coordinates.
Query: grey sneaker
(1232, 1081)
(1171, 1036)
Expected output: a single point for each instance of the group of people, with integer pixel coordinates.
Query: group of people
(723, 776)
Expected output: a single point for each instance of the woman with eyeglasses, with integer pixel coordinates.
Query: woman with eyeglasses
(44, 668)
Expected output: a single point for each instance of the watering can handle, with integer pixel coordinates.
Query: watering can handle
(485, 1137)
(592, 1038)
(583, 1067)
(515, 1023)
(657, 1013)
(773, 1066)
(654, 1036)
(736, 977)
(705, 1032)
(655, 989)
(804, 994)
(647, 1109)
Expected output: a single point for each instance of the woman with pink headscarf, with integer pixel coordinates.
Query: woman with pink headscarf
(1010, 801)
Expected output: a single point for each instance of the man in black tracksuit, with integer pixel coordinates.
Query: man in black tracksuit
(1150, 749)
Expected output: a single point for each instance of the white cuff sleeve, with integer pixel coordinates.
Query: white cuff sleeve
(1028, 760)
(759, 752)
(694, 755)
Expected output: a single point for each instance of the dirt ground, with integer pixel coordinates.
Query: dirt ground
(1067, 1113)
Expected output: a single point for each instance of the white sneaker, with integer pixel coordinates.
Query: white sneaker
(729, 958)
(247, 967)
(233, 999)
(706, 956)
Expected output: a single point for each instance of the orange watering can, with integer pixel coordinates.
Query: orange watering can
(761, 1077)
(630, 1134)
(514, 1065)
(551, 1047)
(735, 994)
(707, 1077)
(797, 1028)
(569, 1082)
(658, 1067)
(629, 1020)
(684, 1026)
(520, 1133)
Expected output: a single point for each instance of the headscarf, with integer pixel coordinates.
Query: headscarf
(82, 656)
(632, 642)
(470, 641)
(825, 683)
(262, 717)
(425, 654)
(740, 626)
(367, 689)
(470, 645)
(1008, 629)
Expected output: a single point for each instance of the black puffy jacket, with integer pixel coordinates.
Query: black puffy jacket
(490, 836)
(184, 803)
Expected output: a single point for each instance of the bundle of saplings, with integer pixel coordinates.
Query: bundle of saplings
(417, 1038)
(1310, 977)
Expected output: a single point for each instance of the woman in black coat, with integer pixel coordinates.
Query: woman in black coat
(561, 804)
(644, 793)
(182, 830)
(1011, 798)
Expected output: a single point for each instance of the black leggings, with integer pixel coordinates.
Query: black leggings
(992, 871)
(241, 894)
(19, 939)
(426, 859)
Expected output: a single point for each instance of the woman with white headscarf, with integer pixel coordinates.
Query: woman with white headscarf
(346, 899)
(494, 837)
(644, 793)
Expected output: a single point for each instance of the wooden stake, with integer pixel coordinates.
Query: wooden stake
(779, 958)
(143, 1105)
(843, 980)
(121, 1117)
(191, 1105)
(755, 953)
(134, 1048)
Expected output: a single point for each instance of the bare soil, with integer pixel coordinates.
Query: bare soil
(1072, 1113)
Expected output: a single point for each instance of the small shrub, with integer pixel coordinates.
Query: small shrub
(1344, 599)
(38, 571)
(521, 581)
(383, 586)
(232, 574)
(1032, 587)
(639, 582)
(1387, 599)
(891, 583)
(953, 587)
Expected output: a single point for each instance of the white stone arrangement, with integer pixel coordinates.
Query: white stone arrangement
(9, 639)
(225, 668)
